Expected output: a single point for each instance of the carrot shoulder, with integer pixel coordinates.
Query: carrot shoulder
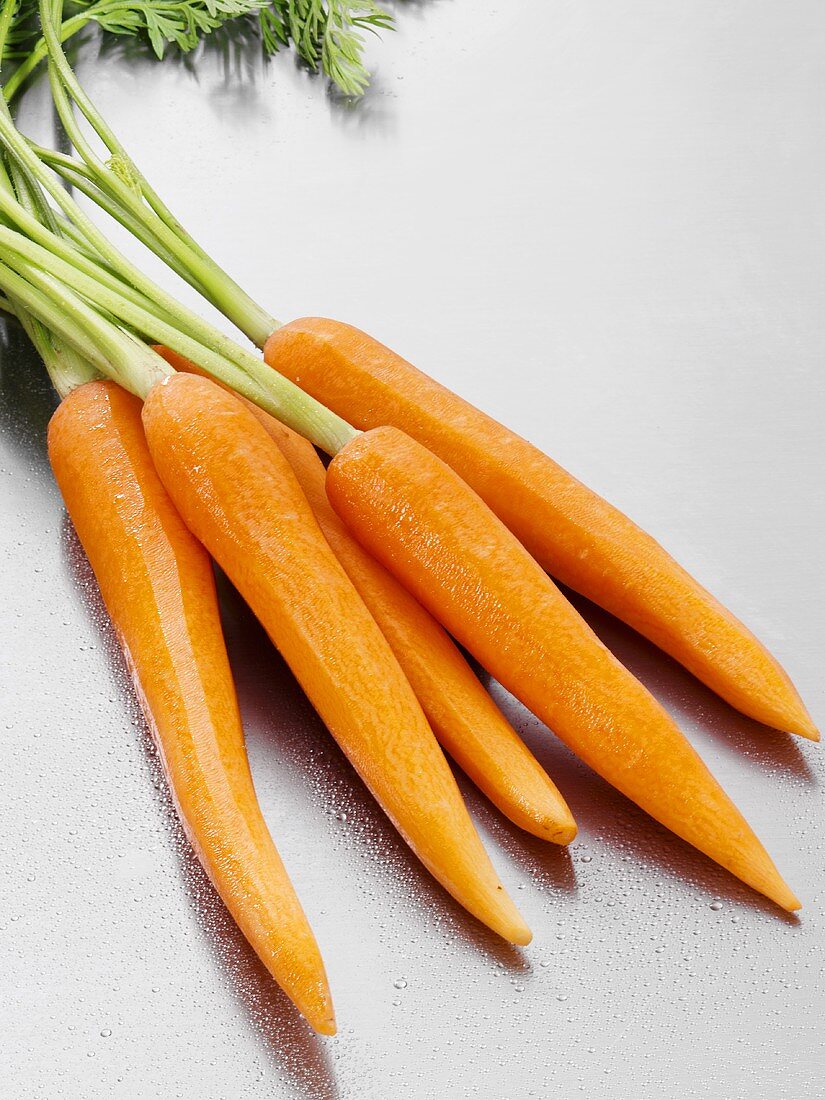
(158, 587)
(238, 494)
(572, 532)
(415, 514)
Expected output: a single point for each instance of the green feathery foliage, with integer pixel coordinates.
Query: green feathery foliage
(327, 34)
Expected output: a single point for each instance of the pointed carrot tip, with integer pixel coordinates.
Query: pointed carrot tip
(555, 829)
(521, 936)
(801, 723)
(322, 1020)
(782, 895)
(517, 932)
(566, 834)
(807, 730)
(505, 920)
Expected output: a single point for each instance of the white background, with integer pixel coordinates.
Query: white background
(604, 223)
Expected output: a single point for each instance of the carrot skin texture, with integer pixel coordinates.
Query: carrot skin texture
(578, 537)
(464, 718)
(238, 494)
(159, 589)
(466, 721)
(416, 515)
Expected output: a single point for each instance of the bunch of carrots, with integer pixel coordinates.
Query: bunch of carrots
(174, 446)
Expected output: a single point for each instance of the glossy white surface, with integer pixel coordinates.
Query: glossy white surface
(604, 223)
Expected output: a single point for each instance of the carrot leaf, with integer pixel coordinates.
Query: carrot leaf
(327, 34)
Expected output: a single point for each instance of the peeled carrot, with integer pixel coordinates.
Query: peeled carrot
(572, 532)
(466, 721)
(462, 715)
(416, 515)
(159, 589)
(238, 494)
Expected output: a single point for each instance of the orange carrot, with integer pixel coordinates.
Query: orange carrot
(238, 494)
(571, 531)
(463, 717)
(158, 586)
(416, 515)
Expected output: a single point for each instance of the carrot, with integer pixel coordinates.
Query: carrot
(466, 721)
(572, 532)
(416, 515)
(158, 587)
(238, 494)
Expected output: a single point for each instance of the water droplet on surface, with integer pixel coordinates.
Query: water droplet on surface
(106, 1032)
(400, 983)
(716, 905)
(587, 859)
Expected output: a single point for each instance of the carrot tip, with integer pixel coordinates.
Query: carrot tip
(565, 834)
(796, 719)
(807, 730)
(511, 926)
(781, 894)
(552, 830)
(791, 902)
(325, 1026)
(521, 936)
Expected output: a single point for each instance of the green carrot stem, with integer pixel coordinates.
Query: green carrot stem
(66, 368)
(37, 232)
(112, 259)
(245, 373)
(81, 179)
(40, 51)
(110, 350)
(158, 221)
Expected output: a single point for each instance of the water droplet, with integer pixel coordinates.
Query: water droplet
(716, 905)
(561, 997)
(587, 859)
(400, 983)
(106, 1032)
